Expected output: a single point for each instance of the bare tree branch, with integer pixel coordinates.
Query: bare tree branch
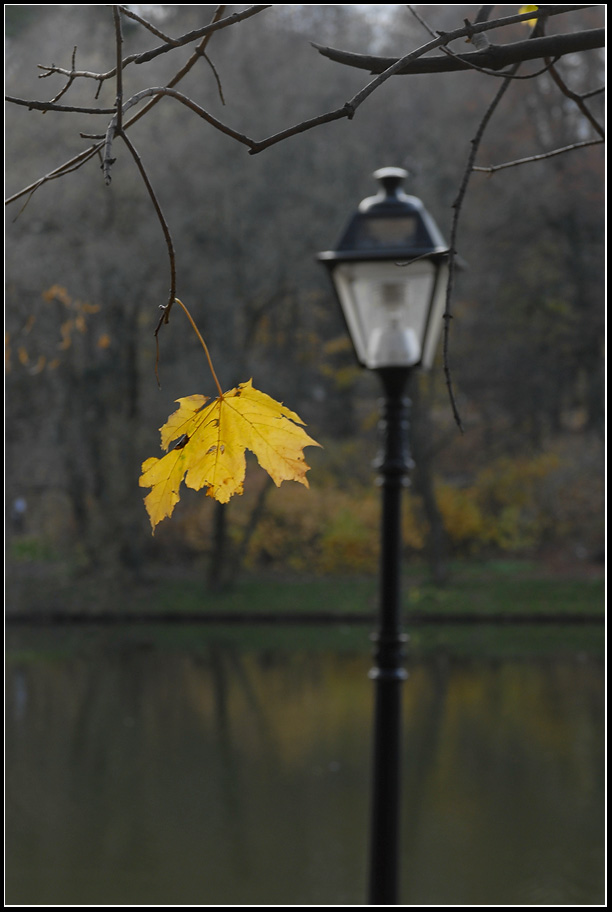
(216, 23)
(71, 165)
(495, 57)
(169, 244)
(471, 64)
(74, 74)
(593, 93)
(200, 33)
(148, 25)
(453, 237)
(70, 77)
(197, 54)
(119, 48)
(488, 60)
(533, 158)
(349, 108)
(51, 106)
(213, 68)
(83, 157)
(395, 68)
(578, 101)
(172, 93)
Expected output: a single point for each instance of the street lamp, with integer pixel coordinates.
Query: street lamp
(389, 271)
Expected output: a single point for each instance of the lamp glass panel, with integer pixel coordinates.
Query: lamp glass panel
(435, 323)
(386, 308)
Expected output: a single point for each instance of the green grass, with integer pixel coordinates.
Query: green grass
(493, 594)
(492, 588)
(262, 596)
(30, 548)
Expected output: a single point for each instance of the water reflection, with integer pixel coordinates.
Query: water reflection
(210, 772)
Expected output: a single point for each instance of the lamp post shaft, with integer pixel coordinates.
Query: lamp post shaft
(388, 673)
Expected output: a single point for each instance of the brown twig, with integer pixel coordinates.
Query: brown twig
(51, 106)
(200, 33)
(148, 25)
(112, 131)
(71, 165)
(593, 92)
(71, 77)
(199, 52)
(168, 238)
(475, 143)
(54, 70)
(213, 68)
(78, 160)
(101, 77)
(577, 99)
(119, 82)
(533, 158)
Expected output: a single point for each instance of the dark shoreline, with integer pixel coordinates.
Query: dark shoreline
(59, 618)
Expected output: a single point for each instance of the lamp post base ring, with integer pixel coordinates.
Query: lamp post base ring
(388, 674)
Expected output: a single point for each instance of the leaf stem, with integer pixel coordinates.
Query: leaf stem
(204, 346)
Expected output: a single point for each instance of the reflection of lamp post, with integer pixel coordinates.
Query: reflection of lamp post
(389, 272)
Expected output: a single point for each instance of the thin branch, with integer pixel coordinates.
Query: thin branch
(347, 110)
(78, 160)
(453, 237)
(165, 308)
(75, 74)
(51, 106)
(148, 25)
(206, 31)
(533, 158)
(593, 92)
(111, 130)
(162, 221)
(119, 47)
(197, 54)
(70, 78)
(483, 13)
(200, 33)
(215, 74)
(577, 99)
(60, 171)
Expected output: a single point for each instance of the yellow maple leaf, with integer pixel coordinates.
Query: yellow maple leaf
(211, 440)
(528, 8)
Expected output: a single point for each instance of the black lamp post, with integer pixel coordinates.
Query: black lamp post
(389, 272)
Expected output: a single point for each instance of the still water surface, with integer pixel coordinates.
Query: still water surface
(224, 767)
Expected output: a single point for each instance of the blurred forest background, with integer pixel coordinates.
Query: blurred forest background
(86, 272)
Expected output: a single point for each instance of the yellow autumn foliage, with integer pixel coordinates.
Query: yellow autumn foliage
(502, 508)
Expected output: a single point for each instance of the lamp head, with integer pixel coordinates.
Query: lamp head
(389, 270)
